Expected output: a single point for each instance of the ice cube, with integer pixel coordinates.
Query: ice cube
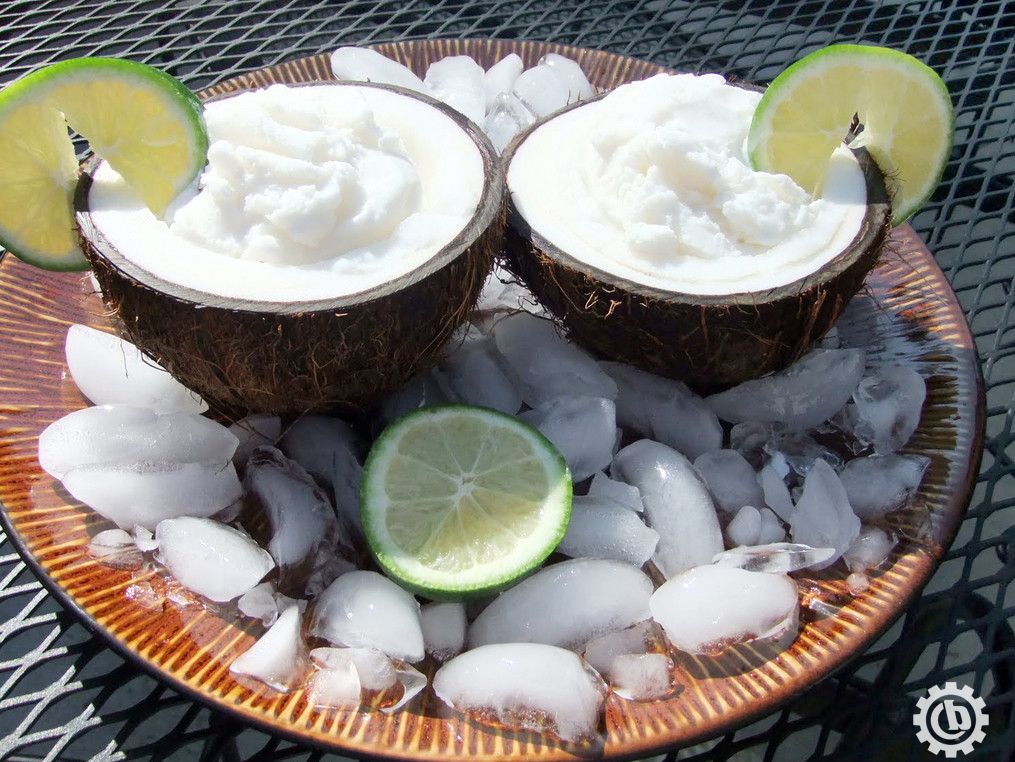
(476, 377)
(857, 583)
(771, 528)
(423, 390)
(501, 125)
(822, 517)
(807, 393)
(252, 432)
(870, 549)
(412, 681)
(636, 639)
(600, 528)
(114, 547)
(878, 485)
(211, 559)
(776, 492)
(276, 659)
(565, 604)
(677, 504)
(582, 428)
(363, 608)
(373, 668)
(109, 370)
(642, 677)
(259, 603)
(578, 86)
(705, 609)
(443, 629)
(542, 89)
(749, 439)
(730, 479)
(458, 81)
(301, 521)
(139, 494)
(114, 435)
(664, 410)
(143, 538)
(500, 78)
(620, 493)
(527, 686)
(799, 451)
(774, 558)
(365, 65)
(745, 527)
(545, 365)
(886, 408)
(338, 687)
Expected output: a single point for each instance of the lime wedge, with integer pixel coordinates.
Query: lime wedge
(903, 105)
(147, 125)
(460, 501)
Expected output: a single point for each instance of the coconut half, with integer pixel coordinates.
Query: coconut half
(244, 351)
(711, 340)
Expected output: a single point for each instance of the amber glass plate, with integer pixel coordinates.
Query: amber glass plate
(907, 315)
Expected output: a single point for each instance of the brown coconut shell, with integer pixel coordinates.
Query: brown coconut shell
(710, 342)
(340, 355)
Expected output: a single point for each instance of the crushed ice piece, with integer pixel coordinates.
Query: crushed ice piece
(500, 77)
(259, 603)
(870, 549)
(777, 496)
(113, 435)
(276, 659)
(527, 686)
(565, 604)
(373, 668)
(542, 89)
(422, 390)
(749, 439)
(144, 540)
(252, 432)
(807, 393)
(641, 677)
(545, 365)
(664, 410)
(443, 629)
(771, 528)
(459, 82)
(114, 547)
(600, 528)
(301, 521)
(745, 527)
(578, 86)
(880, 484)
(730, 479)
(476, 377)
(677, 505)
(143, 594)
(799, 451)
(507, 118)
(211, 559)
(857, 583)
(109, 370)
(822, 517)
(335, 688)
(139, 494)
(364, 608)
(412, 681)
(112, 538)
(773, 558)
(581, 428)
(365, 65)
(886, 407)
(636, 639)
(708, 608)
(622, 494)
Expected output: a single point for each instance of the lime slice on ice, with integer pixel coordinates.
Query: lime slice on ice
(146, 124)
(460, 501)
(903, 105)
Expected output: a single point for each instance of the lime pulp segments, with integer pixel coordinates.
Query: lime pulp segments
(459, 501)
(903, 105)
(146, 124)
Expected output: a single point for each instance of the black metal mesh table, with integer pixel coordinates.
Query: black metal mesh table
(65, 696)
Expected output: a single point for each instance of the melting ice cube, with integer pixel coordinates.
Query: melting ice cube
(500, 77)
(823, 517)
(506, 118)
(365, 65)
(443, 629)
(458, 81)
(773, 558)
(870, 549)
(600, 528)
(777, 496)
(252, 432)
(578, 86)
(582, 428)
(730, 479)
(373, 668)
(529, 686)
(641, 677)
(677, 504)
(259, 603)
(878, 485)
(808, 392)
(771, 528)
(624, 495)
(277, 657)
(109, 370)
(422, 390)
(637, 639)
(476, 377)
(542, 89)
(886, 408)
(745, 527)
(565, 604)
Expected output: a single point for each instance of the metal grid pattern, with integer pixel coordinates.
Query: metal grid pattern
(64, 696)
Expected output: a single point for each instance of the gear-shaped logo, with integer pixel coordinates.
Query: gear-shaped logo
(950, 719)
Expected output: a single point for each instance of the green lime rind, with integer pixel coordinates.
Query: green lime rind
(469, 587)
(852, 54)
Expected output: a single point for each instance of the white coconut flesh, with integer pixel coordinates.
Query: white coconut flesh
(652, 184)
(310, 193)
